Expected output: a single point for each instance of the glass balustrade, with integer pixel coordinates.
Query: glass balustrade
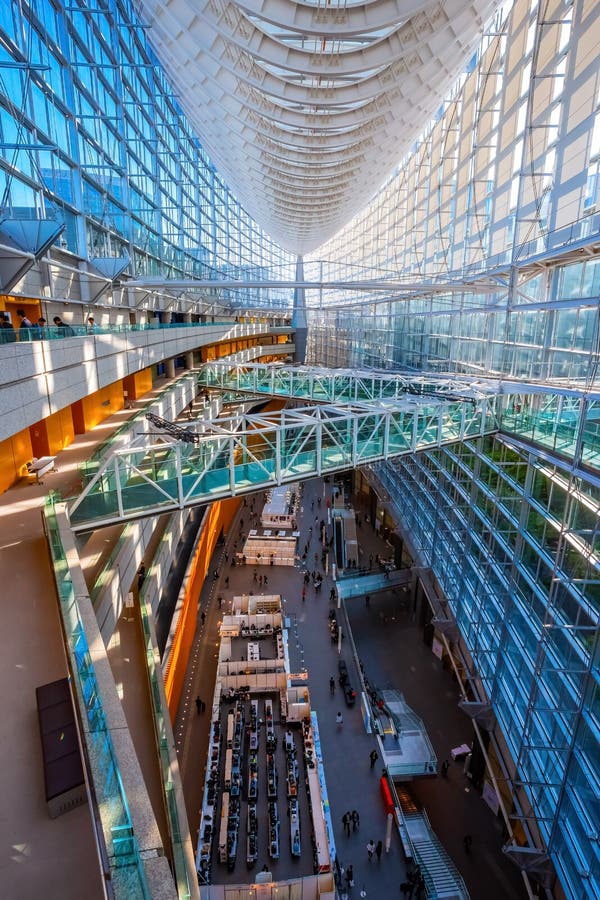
(120, 845)
(294, 444)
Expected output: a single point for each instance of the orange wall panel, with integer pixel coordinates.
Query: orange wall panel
(15, 453)
(77, 413)
(100, 405)
(60, 430)
(53, 434)
(143, 382)
(39, 439)
(129, 386)
(220, 516)
(138, 384)
(66, 424)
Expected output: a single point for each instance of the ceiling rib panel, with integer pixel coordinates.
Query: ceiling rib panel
(305, 109)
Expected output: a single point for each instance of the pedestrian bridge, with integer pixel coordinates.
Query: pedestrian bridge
(350, 584)
(324, 385)
(240, 454)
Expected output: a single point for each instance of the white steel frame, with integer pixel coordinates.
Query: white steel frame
(240, 453)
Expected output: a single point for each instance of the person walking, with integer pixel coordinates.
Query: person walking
(8, 335)
(444, 768)
(198, 705)
(40, 332)
(371, 849)
(349, 876)
(373, 756)
(203, 617)
(339, 720)
(25, 325)
(332, 685)
(355, 820)
(379, 850)
(64, 329)
(346, 823)
(467, 843)
(420, 886)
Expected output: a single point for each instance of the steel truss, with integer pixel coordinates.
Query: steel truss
(327, 385)
(244, 453)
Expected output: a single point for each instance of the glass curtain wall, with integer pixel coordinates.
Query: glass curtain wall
(91, 135)
(499, 198)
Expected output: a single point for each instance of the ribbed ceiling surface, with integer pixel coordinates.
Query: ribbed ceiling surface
(305, 108)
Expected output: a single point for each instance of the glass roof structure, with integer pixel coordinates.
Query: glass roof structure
(260, 78)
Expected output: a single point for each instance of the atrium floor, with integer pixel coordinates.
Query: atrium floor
(393, 655)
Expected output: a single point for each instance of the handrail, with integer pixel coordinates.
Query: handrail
(60, 332)
(166, 757)
(128, 875)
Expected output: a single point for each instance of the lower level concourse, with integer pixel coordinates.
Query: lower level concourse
(385, 643)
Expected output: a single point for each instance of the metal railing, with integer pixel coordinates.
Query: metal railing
(241, 453)
(166, 757)
(60, 332)
(120, 844)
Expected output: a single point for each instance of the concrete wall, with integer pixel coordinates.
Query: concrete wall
(39, 378)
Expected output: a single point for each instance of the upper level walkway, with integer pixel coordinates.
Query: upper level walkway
(560, 416)
(357, 584)
(244, 453)
(324, 385)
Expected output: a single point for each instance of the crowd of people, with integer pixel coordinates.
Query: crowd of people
(26, 330)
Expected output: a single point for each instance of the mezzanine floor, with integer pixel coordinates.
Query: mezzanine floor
(43, 857)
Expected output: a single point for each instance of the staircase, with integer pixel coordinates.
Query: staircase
(441, 876)
(421, 843)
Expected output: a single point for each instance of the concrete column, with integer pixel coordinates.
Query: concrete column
(167, 318)
(189, 356)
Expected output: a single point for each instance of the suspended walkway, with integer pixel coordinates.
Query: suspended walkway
(244, 453)
(441, 876)
(352, 583)
(323, 385)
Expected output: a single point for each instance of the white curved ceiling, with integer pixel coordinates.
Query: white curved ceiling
(305, 108)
